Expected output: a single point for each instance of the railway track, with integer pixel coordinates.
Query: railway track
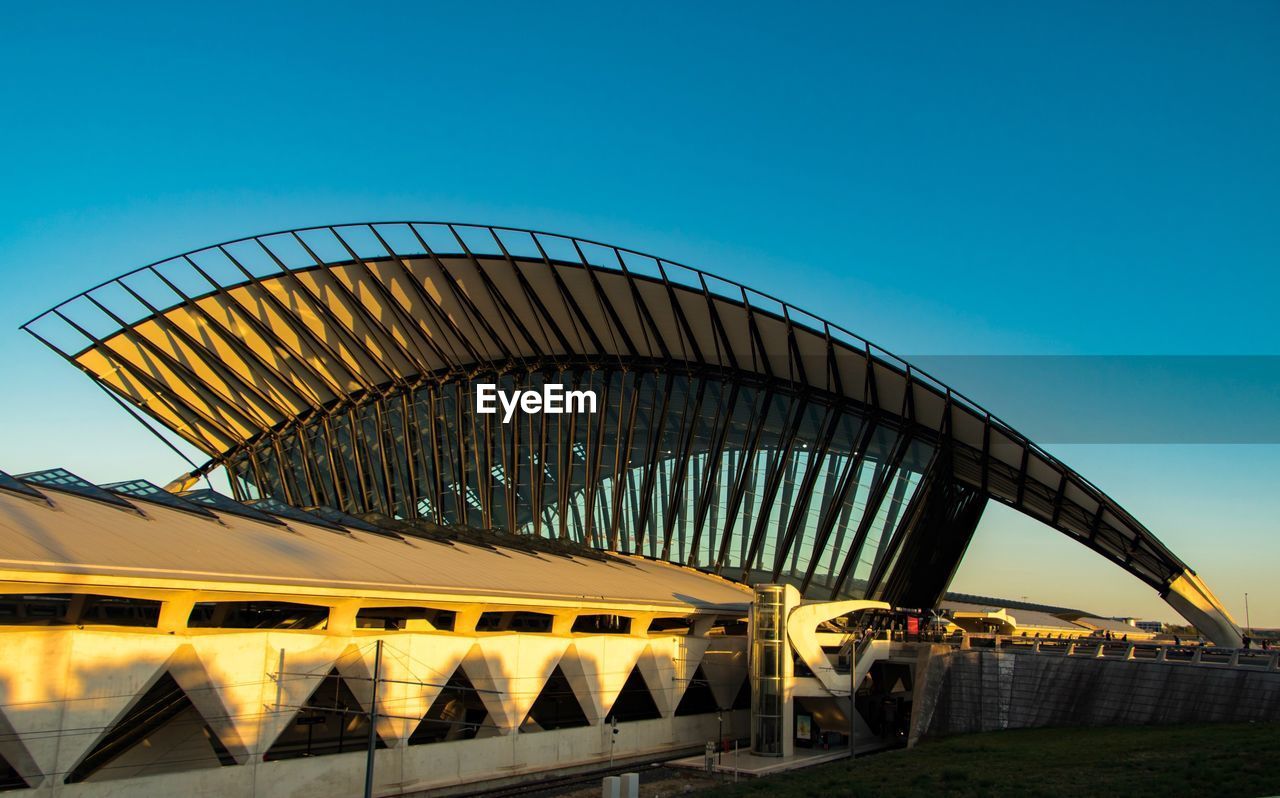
(557, 785)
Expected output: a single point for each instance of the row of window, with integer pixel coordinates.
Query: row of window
(51, 609)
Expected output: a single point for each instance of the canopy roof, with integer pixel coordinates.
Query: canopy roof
(64, 529)
(229, 343)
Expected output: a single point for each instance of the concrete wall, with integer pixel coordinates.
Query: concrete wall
(976, 691)
(61, 689)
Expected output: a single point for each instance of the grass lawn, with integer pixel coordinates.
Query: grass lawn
(1237, 760)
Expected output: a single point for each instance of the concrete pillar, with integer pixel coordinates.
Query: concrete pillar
(611, 787)
(342, 617)
(466, 618)
(640, 623)
(175, 612)
(630, 785)
(702, 624)
(562, 622)
(75, 608)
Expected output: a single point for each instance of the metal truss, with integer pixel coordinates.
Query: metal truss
(737, 433)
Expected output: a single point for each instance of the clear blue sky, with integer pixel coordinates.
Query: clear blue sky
(1083, 178)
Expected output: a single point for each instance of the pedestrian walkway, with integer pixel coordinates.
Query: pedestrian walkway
(748, 765)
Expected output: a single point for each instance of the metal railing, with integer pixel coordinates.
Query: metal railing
(1138, 651)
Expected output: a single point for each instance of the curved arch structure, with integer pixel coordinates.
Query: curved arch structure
(735, 433)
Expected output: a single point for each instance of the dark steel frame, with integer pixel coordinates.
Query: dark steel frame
(459, 332)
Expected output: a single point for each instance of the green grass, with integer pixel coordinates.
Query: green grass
(1237, 760)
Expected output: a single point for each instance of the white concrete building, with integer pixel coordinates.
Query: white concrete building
(152, 650)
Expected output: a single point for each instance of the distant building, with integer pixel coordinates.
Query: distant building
(1121, 628)
(995, 617)
(989, 615)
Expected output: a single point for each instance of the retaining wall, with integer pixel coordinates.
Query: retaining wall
(966, 691)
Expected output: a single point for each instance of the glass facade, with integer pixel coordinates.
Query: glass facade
(735, 476)
(769, 650)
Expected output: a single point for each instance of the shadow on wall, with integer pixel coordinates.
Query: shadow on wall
(166, 704)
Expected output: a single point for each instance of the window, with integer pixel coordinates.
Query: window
(257, 615)
(602, 625)
(535, 622)
(52, 609)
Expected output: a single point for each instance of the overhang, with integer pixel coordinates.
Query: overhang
(234, 342)
(69, 539)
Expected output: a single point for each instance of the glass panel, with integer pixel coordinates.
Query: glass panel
(849, 513)
(723, 473)
(317, 456)
(340, 438)
(372, 467)
(833, 468)
(269, 467)
(917, 460)
(290, 448)
(425, 455)
(876, 534)
(753, 471)
(396, 451)
(452, 483)
(787, 479)
(669, 465)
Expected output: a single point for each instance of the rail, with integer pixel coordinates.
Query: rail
(1132, 651)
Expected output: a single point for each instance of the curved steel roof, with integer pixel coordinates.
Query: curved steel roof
(231, 342)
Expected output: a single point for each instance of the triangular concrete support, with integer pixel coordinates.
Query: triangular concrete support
(245, 670)
(597, 667)
(191, 675)
(17, 755)
(510, 671)
(725, 664)
(657, 666)
(415, 668)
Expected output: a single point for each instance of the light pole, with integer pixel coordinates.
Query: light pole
(719, 734)
(1247, 625)
(613, 738)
